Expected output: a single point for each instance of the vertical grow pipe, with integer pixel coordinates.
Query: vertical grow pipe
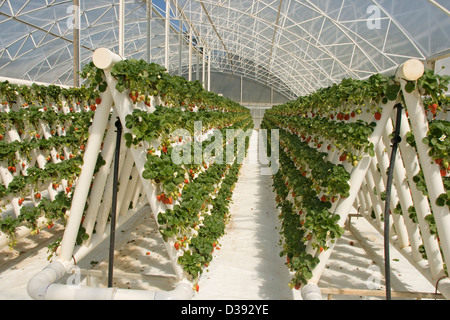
(433, 179)
(356, 180)
(421, 204)
(104, 59)
(87, 170)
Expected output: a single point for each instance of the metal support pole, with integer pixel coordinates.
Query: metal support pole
(122, 28)
(190, 55)
(76, 43)
(197, 71)
(180, 49)
(149, 30)
(203, 67)
(395, 141)
(167, 27)
(209, 71)
(114, 203)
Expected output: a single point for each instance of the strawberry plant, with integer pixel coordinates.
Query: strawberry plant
(439, 144)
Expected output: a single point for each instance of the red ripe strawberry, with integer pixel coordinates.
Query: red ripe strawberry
(297, 286)
(197, 287)
(37, 196)
(443, 172)
(1, 137)
(98, 100)
(323, 198)
(93, 107)
(343, 157)
(346, 117)
(164, 149)
(186, 181)
(353, 114)
(433, 107)
(176, 245)
(68, 189)
(377, 115)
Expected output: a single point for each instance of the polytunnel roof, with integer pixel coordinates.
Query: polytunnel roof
(293, 46)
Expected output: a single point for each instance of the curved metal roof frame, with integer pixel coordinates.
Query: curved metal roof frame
(293, 46)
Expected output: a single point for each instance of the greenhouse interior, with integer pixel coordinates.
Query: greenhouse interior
(225, 150)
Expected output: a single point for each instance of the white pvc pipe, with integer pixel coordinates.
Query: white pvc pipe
(404, 197)
(433, 179)
(124, 107)
(383, 162)
(311, 292)
(87, 170)
(356, 180)
(42, 286)
(421, 204)
(99, 183)
(124, 180)
(132, 185)
(28, 83)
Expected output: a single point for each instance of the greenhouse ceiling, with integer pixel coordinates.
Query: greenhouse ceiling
(292, 46)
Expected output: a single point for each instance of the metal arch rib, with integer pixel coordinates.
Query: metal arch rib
(217, 33)
(41, 29)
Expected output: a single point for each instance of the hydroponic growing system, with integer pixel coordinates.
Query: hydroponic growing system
(133, 136)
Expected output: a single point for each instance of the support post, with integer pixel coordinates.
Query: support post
(76, 43)
(149, 30)
(114, 204)
(167, 42)
(190, 55)
(122, 28)
(395, 141)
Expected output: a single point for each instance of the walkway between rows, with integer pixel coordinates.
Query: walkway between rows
(248, 265)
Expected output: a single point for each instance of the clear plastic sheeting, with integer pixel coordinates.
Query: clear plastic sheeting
(292, 46)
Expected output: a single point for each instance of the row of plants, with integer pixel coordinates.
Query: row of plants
(305, 218)
(349, 139)
(330, 119)
(66, 114)
(200, 248)
(358, 96)
(196, 191)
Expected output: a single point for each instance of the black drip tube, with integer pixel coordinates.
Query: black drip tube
(396, 139)
(114, 203)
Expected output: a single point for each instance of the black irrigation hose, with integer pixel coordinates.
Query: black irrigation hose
(114, 203)
(395, 141)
